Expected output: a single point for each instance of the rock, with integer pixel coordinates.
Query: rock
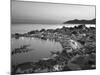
(74, 44)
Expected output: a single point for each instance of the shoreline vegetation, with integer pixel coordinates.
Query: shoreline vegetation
(78, 53)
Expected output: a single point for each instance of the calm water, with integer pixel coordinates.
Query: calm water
(41, 48)
(23, 28)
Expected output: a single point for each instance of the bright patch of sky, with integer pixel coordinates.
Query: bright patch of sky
(48, 13)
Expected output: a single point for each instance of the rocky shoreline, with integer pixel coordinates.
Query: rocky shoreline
(79, 50)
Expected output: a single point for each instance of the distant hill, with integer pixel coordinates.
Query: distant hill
(76, 21)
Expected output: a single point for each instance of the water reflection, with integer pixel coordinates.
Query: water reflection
(41, 48)
(22, 49)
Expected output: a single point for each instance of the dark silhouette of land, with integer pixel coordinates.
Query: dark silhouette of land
(76, 21)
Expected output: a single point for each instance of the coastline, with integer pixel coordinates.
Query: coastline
(73, 48)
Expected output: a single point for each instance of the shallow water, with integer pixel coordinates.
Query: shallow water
(41, 49)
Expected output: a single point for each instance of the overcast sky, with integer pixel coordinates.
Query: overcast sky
(48, 13)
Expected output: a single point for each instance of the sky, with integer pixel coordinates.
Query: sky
(25, 12)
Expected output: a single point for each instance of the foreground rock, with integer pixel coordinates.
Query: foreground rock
(78, 53)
